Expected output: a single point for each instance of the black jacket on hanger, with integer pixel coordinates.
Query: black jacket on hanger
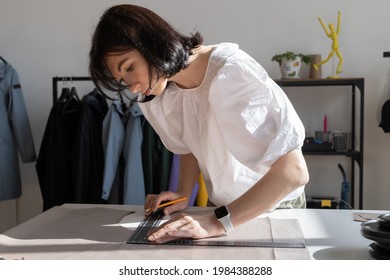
(88, 156)
(55, 155)
(156, 161)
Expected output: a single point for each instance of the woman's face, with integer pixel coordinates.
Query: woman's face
(131, 68)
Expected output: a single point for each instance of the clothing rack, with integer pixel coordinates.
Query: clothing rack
(65, 79)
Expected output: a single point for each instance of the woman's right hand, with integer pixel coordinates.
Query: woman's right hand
(154, 200)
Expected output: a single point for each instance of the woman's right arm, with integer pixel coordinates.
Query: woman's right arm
(188, 175)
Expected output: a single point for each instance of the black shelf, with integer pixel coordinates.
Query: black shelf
(354, 82)
(354, 155)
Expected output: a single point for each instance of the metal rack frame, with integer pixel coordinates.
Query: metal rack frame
(56, 79)
(354, 155)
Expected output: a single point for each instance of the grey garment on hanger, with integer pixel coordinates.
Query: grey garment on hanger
(119, 141)
(134, 184)
(113, 139)
(15, 133)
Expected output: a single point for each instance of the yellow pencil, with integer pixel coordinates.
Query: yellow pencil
(168, 203)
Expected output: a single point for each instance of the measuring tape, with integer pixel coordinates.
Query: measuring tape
(153, 220)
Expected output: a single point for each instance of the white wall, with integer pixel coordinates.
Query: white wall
(47, 38)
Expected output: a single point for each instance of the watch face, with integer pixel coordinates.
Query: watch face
(221, 212)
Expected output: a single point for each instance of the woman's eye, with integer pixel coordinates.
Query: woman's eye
(130, 68)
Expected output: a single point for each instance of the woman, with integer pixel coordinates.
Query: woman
(214, 105)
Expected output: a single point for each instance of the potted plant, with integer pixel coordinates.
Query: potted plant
(290, 63)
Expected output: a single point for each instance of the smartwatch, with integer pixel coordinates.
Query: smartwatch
(223, 215)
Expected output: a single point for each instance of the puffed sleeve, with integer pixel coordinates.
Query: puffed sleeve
(257, 121)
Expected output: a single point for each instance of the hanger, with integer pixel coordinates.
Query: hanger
(65, 93)
(71, 104)
(73, 93)
(2, 59)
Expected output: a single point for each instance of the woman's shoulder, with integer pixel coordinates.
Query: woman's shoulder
(229, 58)
(226, 48)
(231, 55)
(225, 51)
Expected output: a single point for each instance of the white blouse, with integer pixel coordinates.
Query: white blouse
(237, 123)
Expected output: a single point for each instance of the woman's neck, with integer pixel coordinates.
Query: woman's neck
(193, 75)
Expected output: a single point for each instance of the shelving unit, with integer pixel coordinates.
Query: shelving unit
(356, 156)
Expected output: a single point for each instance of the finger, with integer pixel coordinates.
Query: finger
(175, 207)
(185, 231)
(162, 197)
(169, 226)
(152, 202)
(165, 239)
(173, 235)
(149, 202)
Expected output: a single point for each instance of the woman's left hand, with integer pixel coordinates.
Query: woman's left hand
(186, 226)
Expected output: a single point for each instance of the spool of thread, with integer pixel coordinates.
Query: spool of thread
(315, 74)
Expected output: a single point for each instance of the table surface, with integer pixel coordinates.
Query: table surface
(332, 234)
(329, 234)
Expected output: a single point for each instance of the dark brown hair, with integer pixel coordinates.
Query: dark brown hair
(124, 28)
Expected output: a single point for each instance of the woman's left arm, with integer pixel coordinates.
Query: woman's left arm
(286, 174)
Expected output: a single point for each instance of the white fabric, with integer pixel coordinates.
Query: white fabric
(237, 123)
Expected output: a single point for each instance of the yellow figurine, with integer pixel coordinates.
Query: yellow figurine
(335, 46)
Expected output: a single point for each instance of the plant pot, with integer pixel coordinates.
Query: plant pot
(290, 68)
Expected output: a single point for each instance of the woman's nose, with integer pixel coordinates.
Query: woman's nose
(135, 87)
